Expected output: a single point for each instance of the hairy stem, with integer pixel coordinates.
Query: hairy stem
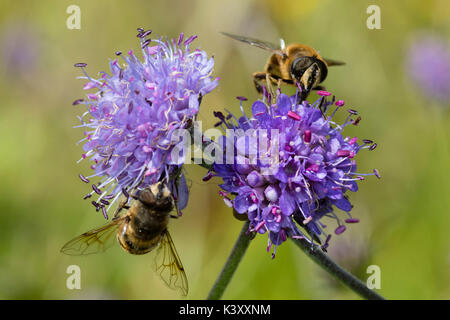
(335, 270)
(231, 265)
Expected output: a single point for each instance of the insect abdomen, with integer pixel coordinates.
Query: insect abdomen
(136, 246)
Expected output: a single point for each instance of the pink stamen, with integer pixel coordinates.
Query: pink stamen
(343, 153)
(293, 115)
(307, 136)
(89, 85)
(260, 225)
(352, 141)
(152, 50)
(323, 93)
(339, 103)
(223, 193)
(314, 167)
(92, 96)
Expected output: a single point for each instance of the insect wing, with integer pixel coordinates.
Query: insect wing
(331, 62)
(168, 265)
(257, 43)
(93, 241)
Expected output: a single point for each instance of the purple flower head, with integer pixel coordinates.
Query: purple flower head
(20, 49)
(135, 109)
(294, 169)
(428, 64)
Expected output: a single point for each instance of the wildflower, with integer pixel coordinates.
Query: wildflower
(20, 49)
(136, 108)
(428, 64)
(289, 194)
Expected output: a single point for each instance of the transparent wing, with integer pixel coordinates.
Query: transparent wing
(257, 43)
(168, 265)
(331, 62)
(93, 241)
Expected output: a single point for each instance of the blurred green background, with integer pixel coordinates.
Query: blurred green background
(405, 223)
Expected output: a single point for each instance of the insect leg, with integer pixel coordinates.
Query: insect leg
(122, 205)
(269, 80)
(258, 77)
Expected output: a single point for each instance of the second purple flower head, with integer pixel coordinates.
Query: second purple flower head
(290, 167)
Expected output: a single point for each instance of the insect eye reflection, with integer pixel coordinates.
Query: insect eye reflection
(299, 66)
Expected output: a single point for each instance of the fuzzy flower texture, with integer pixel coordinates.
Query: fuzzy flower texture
(315, 168)
(130, 118)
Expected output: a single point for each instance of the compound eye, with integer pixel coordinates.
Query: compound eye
(146, 196)
(299, 66)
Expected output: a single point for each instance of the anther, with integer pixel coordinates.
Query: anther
(376, 173)
(323, 93)
(78, 101)
(339, 103)
(83, 178)
(104, 213)
(343, 153)
(96, 189)
(340, 229)
(307, 136)
(293, 115)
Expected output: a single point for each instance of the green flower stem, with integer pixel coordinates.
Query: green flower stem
(335, 270)
(231, 265)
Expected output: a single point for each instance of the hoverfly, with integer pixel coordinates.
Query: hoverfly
(295, 64)
(140, 230)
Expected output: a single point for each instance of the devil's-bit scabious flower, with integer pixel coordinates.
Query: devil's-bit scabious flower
(289, 167)
(136, 108)
(20, 49)
(428, 64)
